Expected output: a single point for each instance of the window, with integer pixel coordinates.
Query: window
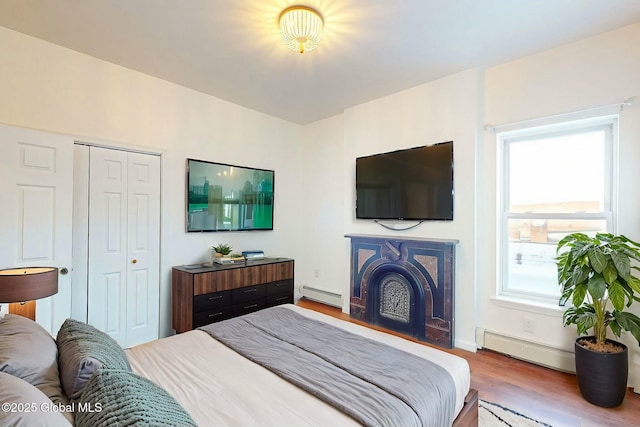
(556, 179)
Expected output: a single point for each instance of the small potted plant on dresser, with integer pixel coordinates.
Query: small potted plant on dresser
(221, 250)
(596, 278)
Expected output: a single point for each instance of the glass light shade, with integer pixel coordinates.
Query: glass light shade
(28, 283)
(301, 28)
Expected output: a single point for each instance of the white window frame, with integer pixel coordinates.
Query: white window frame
(536, 129)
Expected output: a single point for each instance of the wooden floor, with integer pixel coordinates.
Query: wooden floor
(544, 394)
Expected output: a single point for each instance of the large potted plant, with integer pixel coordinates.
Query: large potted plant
(596, 278)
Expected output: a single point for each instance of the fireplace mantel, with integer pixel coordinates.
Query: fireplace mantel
(396, 238)
(404, 284)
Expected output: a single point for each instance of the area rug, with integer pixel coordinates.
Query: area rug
(494, 415)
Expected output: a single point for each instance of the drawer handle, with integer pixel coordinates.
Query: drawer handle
(216, 297)
(280, 284)
(215, 314)
(250, 290)
(250, 306)
(282, 298)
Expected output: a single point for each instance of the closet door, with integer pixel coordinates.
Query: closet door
(143, 248)
(124, 224)
(36, 187)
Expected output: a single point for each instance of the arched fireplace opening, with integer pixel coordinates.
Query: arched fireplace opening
(396, 300)
(405, 285)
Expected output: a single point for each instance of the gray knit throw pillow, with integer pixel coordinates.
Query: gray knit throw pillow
(83, 350)
(122, 398)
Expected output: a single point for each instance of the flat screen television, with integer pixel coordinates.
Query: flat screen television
(224, 197)
(411, 184)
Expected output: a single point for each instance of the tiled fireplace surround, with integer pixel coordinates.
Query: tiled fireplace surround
(404, 284)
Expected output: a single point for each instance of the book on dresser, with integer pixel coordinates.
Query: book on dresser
(208, 294)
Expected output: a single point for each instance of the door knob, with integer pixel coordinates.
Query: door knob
(134, 261)
(64, 271)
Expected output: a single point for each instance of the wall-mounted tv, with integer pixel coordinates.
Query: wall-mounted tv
(411, 184)
(224, 197)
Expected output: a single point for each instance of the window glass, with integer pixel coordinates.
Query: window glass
(531, 252)
(559, 174)
(554, 183)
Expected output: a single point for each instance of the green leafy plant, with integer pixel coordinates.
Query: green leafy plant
(595, 274)
(222, 248)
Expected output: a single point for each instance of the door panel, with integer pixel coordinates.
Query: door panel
(143, 291)
(112, 297)
(114, 220)
(140, 285)
(106, 291)
(37, 208)
(36, 190)
(124, 244)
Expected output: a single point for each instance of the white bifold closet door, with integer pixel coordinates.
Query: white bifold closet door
(124, 244)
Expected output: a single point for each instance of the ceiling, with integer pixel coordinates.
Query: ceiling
(231, 49)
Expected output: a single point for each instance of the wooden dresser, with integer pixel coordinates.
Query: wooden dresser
(207, 294)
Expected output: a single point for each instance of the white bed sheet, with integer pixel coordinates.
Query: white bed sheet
(218, 387)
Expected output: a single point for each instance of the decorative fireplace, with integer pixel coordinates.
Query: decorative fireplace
(404, 284)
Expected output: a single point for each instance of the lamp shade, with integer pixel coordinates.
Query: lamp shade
(28, 283)
(301, 28)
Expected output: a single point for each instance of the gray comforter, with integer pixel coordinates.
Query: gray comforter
(374, 383)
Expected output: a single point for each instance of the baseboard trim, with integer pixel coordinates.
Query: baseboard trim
(320, 295)
(466, 345)
(540, 354)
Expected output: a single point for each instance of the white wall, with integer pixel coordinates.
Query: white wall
(47, 87)
(321, 255)
(443, 110)
(594, 72)
(598, 71)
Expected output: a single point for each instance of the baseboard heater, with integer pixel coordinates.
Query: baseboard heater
(539, 354)
(320, 295)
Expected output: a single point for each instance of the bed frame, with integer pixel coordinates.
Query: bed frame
(468, 416)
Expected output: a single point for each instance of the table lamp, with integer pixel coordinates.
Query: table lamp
(21, 286)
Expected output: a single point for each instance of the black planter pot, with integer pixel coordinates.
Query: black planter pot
(602, 377)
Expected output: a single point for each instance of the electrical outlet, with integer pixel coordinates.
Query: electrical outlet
(528, 325)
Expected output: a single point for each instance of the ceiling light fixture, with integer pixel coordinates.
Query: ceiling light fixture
(301, 28)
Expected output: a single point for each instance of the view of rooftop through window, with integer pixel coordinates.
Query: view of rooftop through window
(555, 184)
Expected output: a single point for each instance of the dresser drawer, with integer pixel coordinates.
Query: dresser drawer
(281, 287)
(211, 316)
(210, 301)
(248, 307)
(280, 299)
(248, 294)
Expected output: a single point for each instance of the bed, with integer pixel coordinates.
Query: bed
(282, 366)
(217, 386)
